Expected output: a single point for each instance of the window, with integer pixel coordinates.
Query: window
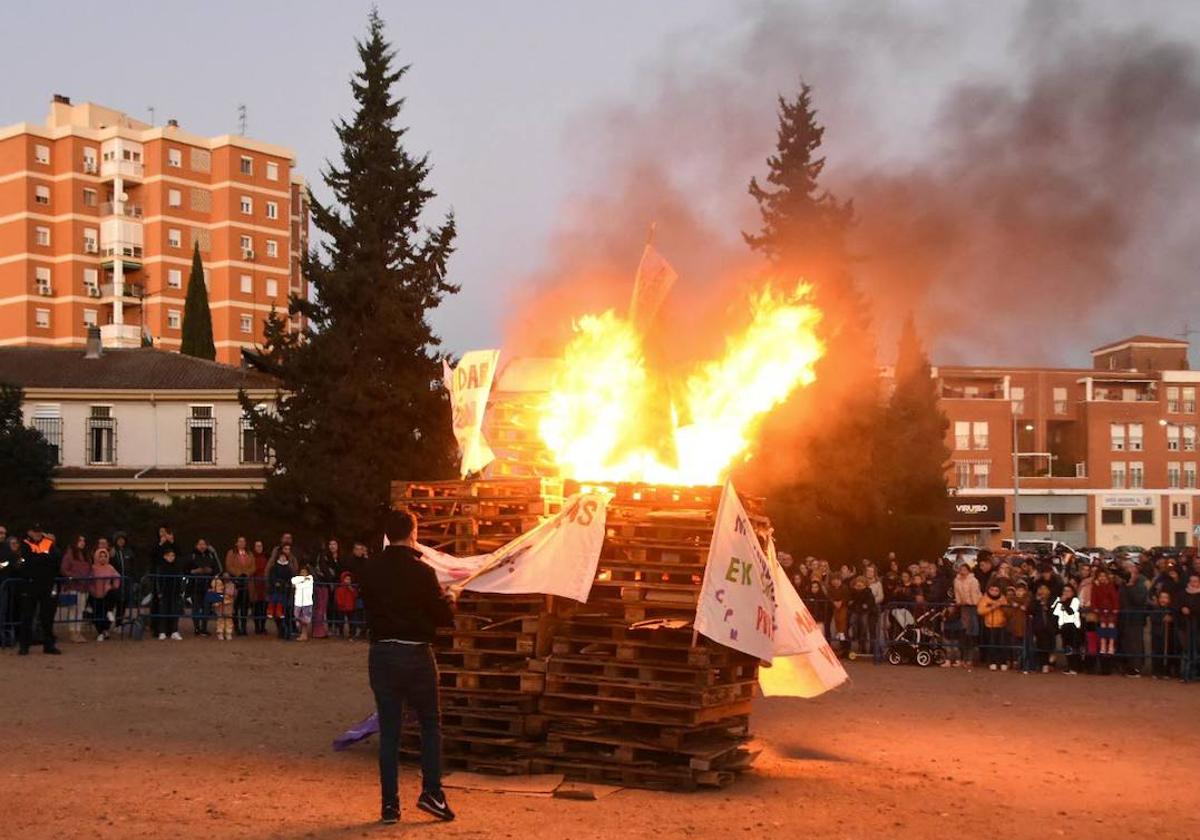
(247, 284)
(247, 244)
(41, 277)
(962, 474)
(1129, 394)
(962, 434)
(41, 318)
(980, 470)
(1060, 400)
(1135, 437)
(247, 324)
(272, 171)
(173, 319)
(979, 433)
(47, 419)
(1137, 479)
(247, 205)
(1112, 516)
(91, 241)
(175, 158)
(91, 282)
(41, 235)
(41, 153)
(89, 161)
(174, 278)
(1189, 400)
(1173, 474)
(272, 210)
(1018, 400)
(1141, 516)
(970, 392)
(272, 288)
(1189, 474)
(89, 317)
(175, 238)
(41, 194)
(1117, 435)
(272, 248)
(1172, 438)
(252, 449)
(101, 436)
(174, 198)
(1172, 399)
(1179, 510)
(201, 434)
(1118, 475)
(247, 165)
(1189, 438)
(89, 198)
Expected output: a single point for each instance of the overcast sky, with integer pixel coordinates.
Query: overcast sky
(504, 95)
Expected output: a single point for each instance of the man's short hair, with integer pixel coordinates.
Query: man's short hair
(399, 525)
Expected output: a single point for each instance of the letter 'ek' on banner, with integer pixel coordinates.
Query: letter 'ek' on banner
(469, 384)
(737, 598)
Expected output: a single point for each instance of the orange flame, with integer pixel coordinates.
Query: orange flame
(609, 418)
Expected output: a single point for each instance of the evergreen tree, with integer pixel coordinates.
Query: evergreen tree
(362, 402)
(829, 501)
(197, 317)
(912, 455)
(27, 461)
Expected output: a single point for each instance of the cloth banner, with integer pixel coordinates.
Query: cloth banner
(469, 385)
(747, 603)
(651, 285)
(358, 732)
(558, 557)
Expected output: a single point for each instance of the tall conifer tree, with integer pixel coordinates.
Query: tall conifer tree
(361, 403)
(197, 317)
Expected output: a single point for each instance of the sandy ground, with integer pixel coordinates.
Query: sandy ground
(228, 740)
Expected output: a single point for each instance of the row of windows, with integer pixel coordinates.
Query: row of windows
(1181, 399)
(91, 282)
(1137, 516)
(1131, 475)
(41, 319)
(1129, 437)
(100, 436)
(200, 160)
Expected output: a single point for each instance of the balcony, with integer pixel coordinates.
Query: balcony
(958, 392)
(121, 208)
(124, 168)
(133, 292)
(129, 253)
(120, 335)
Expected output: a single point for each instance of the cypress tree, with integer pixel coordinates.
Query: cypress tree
(362, 402)
(197, 317)
(828, 501)
(26, 459)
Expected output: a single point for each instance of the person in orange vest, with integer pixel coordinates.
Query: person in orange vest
(40, 560)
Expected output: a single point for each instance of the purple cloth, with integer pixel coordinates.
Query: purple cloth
(358, 732)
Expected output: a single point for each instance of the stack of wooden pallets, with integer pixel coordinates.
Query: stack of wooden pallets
(610, 691)
(478, 516)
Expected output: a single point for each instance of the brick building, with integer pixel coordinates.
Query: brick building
(1105, 455)
(99, 213)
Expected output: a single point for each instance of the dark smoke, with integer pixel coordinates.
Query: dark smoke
(1025, 211)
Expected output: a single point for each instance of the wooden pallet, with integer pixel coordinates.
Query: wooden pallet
(650, 673)
(501, 682)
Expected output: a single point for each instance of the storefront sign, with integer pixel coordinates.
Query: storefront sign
(1126, 500)
(976, 508)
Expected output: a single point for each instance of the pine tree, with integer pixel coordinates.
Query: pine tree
(362, 402)
(197, 317)
(829, 501)
(912, 454)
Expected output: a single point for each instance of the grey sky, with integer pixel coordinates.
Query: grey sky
(505, 95)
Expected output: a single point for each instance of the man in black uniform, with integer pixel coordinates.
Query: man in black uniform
(40, 560)
(404, 607)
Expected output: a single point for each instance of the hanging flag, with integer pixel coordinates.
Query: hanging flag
(804, 664)
(651, 285)
(469, 384)
(449, 569)
(558, 557)
(737, 599)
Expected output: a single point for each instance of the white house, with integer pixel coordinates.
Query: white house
(147, 421)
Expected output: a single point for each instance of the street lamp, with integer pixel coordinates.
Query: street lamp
(1016, 455)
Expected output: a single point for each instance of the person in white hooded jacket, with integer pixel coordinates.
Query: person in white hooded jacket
(303, 589)
(1066, 611)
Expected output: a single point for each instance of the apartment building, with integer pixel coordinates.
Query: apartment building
(99, 213)
(1105, 455)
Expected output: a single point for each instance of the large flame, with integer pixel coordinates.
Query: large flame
(609, 417)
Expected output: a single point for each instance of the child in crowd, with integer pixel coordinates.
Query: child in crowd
(302, 585)
(279, 582)
(991, 615)
(214, 600)
(1044, 627)
(952, 629)
(227, 607)
(1106, 601)
(1067, 613)
(345, 596)
(863, 615)
(1164, 650)
(1014, 622)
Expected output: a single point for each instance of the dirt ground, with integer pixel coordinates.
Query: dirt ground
(229, 740)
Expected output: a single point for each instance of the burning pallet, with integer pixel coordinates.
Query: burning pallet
(610, 691)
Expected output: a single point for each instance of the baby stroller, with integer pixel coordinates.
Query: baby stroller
(917, 640)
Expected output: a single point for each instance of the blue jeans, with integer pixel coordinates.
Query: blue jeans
(401, 674)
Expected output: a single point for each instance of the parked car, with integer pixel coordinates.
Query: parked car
(1095, 552)
(1171, 552)
(1043, 547)
(1128, 552)
(959, 554)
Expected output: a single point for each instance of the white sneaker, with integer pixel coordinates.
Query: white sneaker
(176, 636)
(1003, 667)
(112, 617)
(99, 637)
(992, 667)
(162, 637)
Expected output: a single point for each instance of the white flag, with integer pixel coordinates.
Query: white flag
(469, 385)
(804, 664)
(737, 598)
(449, 569)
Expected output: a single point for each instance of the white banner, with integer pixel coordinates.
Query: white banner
(469, 385)
(737, 598)
(558, 557)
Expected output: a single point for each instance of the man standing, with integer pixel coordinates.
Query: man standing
(40, 559)
(1135, 606)
(201, 568)
(404, 608)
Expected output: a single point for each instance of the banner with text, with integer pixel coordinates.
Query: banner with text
(469, 384)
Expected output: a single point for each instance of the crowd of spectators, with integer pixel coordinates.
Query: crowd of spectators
(1017, 611)
(85, 589)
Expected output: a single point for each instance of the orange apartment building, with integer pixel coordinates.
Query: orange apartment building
(99, 213)
(1104, 455)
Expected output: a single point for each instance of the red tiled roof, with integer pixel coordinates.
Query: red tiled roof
(139, 369)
